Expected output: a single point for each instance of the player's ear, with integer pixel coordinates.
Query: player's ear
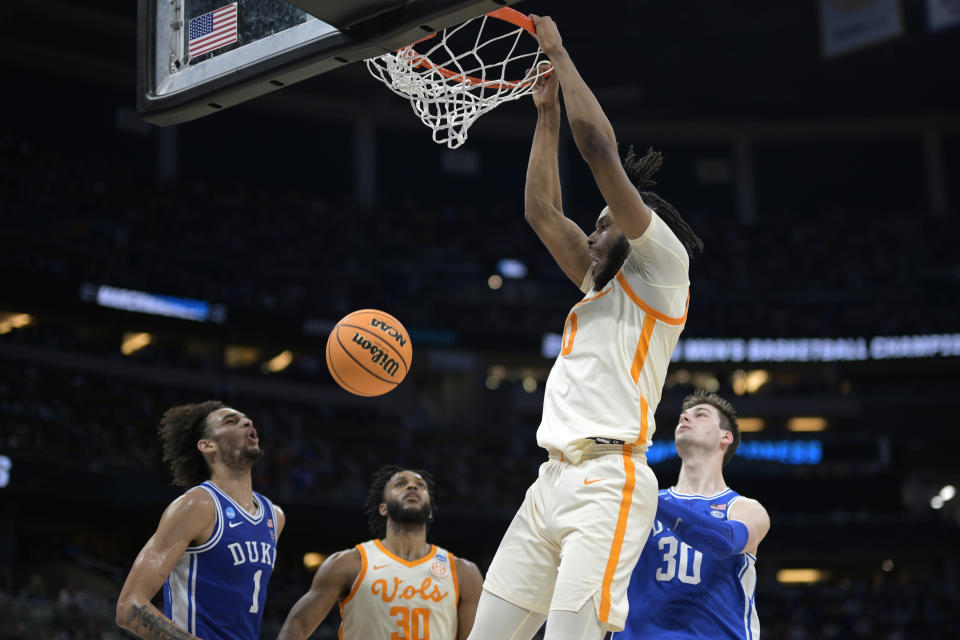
(206, 446)
(382, 509)
(726, 436)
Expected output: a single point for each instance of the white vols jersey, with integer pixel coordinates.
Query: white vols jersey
(395, 599)
(617, 344)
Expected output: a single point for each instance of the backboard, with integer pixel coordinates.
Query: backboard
(196, 57)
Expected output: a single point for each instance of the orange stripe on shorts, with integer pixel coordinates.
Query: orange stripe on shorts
(626, 498)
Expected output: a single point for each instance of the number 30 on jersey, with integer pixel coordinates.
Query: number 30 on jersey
(413, 623)
(687, 569)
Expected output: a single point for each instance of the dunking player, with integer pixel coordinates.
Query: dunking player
(696, 576)
(396, 585)
(215, 546)
(568, 554)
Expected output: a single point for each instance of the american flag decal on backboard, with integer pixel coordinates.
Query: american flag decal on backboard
(213, 30)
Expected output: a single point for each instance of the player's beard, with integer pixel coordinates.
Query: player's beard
(615, 258)
(240, 457)
(409, 515)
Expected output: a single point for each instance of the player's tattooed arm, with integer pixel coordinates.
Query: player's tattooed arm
(150, 625)
(188, 520)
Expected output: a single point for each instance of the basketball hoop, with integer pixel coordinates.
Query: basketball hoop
(450, 90)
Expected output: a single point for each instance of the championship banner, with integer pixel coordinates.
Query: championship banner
(853, 349)
(942, 14)
(848, 25)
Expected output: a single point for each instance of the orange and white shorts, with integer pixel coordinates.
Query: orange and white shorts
(578, 535)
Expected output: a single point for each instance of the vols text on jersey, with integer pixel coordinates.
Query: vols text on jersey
(398, 589)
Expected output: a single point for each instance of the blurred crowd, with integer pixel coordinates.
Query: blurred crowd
(314, 454)
(859, 610)
(863, 609)
(300, 252)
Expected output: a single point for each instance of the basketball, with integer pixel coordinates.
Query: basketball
(369, 352)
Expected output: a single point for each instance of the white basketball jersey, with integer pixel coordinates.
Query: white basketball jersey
(617, 345)
(393, 598)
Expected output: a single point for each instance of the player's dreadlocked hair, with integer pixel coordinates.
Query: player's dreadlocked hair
(378, 483)
(640, 171)
(180, 429)
(728, 417)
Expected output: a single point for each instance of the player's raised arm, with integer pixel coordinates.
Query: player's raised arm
(189, 519)
(543, 206)
(331, 583)
(594, 135)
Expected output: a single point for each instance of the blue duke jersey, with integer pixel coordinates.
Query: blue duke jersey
(680, 593)
(217, 589)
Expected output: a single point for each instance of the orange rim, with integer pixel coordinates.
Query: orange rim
(514, 17)
(505, 14)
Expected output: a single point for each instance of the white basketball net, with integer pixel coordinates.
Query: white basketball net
(450, 90)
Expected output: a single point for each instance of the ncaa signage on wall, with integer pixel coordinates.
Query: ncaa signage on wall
(817, 349)
(854, 349)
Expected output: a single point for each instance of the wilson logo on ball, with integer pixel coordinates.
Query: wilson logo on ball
(377, 355)
(369, 352)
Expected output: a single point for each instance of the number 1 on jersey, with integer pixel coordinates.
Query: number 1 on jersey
(255, 607)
